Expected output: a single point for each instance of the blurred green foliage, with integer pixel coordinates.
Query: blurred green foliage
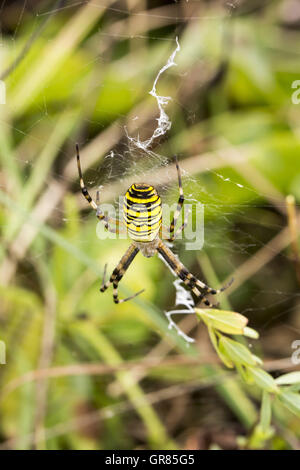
(236, 132)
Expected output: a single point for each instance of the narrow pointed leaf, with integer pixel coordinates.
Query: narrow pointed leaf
(291, 400)
(266, 412)
(237, 352)
(251, 333)
(222, 356)
(289, 379)
(263, 379)
(222, 320)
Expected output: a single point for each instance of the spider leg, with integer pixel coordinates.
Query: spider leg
(103, 279)
(172, 236)
(101, 216)
(182, 227)
(164, 233)
(210, 290)
(106, 219)
(116, 297)
(188, 278)
(119, 272)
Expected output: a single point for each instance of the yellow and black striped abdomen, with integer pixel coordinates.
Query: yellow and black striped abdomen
(142, 212)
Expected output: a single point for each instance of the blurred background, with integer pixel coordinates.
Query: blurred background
(82, 372)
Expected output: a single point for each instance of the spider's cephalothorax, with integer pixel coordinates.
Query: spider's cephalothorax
(142, 214)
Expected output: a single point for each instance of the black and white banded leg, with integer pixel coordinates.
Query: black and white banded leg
(108, 221)
(199, 288)
(180, 202)
(119, 272)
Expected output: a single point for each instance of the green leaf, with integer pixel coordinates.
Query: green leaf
(251, 333)
(265, 412)
(260, 436)
(288, 379)
(223, 355)
(257, 360)
(291, 400)
(243, 373)
(237, 352)
(263, 379)
(225, 321)
(219, 351)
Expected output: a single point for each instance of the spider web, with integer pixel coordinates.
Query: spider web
(147, 149)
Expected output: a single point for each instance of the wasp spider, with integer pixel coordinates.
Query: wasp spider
(142, 214)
